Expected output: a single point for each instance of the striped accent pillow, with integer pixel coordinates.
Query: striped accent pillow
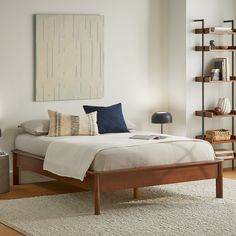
(69, 125)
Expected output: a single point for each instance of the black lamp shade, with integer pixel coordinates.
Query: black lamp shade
(161, 117)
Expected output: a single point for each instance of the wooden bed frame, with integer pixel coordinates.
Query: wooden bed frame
(105, 181)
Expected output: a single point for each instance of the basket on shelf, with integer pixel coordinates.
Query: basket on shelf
(218, 135)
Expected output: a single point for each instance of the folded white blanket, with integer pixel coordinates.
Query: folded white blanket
(72, 156)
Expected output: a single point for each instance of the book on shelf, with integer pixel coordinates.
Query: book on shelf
(229, 157)
(221, 29)
(224, 153)
(227, 69)
(147, 136)
(223, 65)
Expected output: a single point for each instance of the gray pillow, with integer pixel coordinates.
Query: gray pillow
(36, 127)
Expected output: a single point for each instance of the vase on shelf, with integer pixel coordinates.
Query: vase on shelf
(224, 105)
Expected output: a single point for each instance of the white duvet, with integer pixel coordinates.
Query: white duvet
(73, 156)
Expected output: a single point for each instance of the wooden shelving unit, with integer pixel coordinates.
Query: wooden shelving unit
(204, 79)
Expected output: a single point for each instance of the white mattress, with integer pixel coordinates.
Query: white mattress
(128, 157)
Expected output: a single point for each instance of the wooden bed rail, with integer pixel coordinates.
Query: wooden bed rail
(105, 181)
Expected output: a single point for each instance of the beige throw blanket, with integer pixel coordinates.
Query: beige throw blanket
(72, 156)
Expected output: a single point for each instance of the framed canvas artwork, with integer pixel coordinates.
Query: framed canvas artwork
(69, 60)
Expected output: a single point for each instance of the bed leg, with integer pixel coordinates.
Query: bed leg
(135, 193)
(15, 170)
(219, 181)
(97, 195)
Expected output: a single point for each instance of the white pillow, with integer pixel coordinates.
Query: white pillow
(36, 127)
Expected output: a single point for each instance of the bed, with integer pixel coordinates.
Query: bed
(118, 167)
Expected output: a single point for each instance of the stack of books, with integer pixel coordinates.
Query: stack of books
(224, 154)
(221, 29)
(222, 64)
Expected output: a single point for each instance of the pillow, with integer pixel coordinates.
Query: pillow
(36, 127)
(110, 119)
(68, 125)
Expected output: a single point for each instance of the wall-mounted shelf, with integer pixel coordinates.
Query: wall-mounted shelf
(207, 79)
(211, 114)
(215, 49)
(211, 30)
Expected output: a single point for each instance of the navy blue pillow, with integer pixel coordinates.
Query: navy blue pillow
(109, 119)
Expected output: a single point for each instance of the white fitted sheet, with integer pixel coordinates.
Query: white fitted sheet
(129, 157)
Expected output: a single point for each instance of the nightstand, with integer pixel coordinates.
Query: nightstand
(4, 173)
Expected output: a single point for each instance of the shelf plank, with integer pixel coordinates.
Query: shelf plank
(232, 140)
(215, 49)
(207, 79)
(211, 30)
(211, 114)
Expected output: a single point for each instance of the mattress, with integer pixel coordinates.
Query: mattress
(34, 144)
(128, 157)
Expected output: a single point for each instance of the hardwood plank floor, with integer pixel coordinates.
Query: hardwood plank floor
(228, 173)
(52, 188)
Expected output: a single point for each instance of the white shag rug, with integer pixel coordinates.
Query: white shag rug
(177, 209)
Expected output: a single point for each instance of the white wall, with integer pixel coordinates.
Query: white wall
(132, 60)
(173, 42)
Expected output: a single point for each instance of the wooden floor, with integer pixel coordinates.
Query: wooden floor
(51, 188)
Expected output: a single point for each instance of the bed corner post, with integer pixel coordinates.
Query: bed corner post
(15, 170)
(219, 180)
(97, 194)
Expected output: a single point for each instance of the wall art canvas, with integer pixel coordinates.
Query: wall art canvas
(69, 57)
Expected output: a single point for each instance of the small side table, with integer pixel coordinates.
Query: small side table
(4, 173)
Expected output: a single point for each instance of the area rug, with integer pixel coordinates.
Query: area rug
(177, 209)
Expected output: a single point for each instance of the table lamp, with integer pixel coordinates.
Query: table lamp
(161, 117)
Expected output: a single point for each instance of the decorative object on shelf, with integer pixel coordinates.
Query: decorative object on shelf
(224, 106)
(212, 43)
(4, 172)
(215, 74)
(161, 117)
(218, 135)
(217, 111)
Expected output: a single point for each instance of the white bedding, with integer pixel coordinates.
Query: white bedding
(73, 156)
(147, 154)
